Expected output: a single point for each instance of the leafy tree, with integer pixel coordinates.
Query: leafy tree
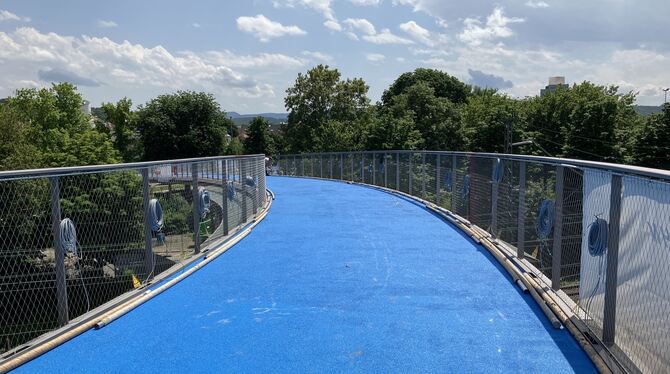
(258, 138)
(59, 129)
(234, 147)
(17, 150)
(121, 118)
(587, 121)
(318, 103)
(443, 85)
(392, 132)
(182, 125)
(485, 117)
(436, 118)
(651, 147)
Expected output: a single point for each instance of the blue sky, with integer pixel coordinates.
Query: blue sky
(248, 52)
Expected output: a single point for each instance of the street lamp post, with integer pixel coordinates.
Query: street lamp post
(665, 91)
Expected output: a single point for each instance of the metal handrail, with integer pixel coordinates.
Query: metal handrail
(61, 171)
(618, 168)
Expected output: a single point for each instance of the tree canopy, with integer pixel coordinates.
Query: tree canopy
(325, 112)
(182, 125)
(258, 138)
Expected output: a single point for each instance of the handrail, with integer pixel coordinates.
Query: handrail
(619, 168)
(61, 171)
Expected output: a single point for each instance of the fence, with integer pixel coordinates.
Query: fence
(72, 239)
(597, 234)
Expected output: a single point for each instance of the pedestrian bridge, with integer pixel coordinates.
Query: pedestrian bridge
(337, 277)
(373, 276)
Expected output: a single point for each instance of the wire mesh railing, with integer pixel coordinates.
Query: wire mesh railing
(597, 234)
(73, 239)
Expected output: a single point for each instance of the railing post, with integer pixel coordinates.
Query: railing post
(453, 183)
(224, 205)
(330, 165)
(243, 171)
(148, 251)
(558, 230)
(521, 219)
(374, 169)
(302, 165)
(59, 251)
(254, 189)
(341, 166)
(196, 207)
(609, 310)
(362, 167)
(438, 166)
(494, 201)
(424, 176)
(321, 166)
(352, 166)
(311, 162)
(386, 184)
(397, 171)
(409, 176)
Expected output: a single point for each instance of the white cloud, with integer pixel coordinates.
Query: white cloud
(321, 6)
(496, 27)
(333, 25)
(417, 5)
(26, 51)
(442, 23)
(361, 24)
(261, 60)
(386, 37)
(375, 57)
(196, 25)
(6, 15)
(537, 4)
(107, 24)
(417, 33)
(366, 2)
(318, 56)
(264, 29)
(351, 35)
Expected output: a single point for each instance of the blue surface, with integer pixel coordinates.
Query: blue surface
(337, 278)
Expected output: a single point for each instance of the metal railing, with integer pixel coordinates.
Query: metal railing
(73, 239)
(597, 234)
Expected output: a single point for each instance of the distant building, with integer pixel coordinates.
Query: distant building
(86, 107)
(555, 83)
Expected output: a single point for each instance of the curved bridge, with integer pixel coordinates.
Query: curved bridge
(337, 278)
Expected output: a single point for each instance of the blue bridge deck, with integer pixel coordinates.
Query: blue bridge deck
(337, 278)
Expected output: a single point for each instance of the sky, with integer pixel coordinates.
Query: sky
(246, 53)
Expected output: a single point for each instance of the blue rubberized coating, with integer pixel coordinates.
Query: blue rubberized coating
(337, 278)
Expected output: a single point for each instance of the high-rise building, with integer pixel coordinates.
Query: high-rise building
(555, 83)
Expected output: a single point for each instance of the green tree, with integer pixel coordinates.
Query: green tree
(651, 146)
(485, 117)
(234, 147)
(587, 122)
(319, 103)
(59, 129)
(17, 150)
(443, 85)
(258, 138)
(388, 131)
(436, 118)
(121, 118)
(182, 125)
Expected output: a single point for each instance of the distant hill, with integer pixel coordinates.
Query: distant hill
(646, 110)
(243, 119)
